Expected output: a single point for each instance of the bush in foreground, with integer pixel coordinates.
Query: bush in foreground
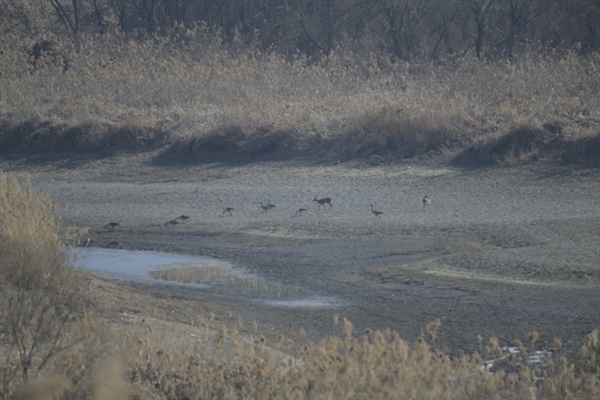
(43, 298)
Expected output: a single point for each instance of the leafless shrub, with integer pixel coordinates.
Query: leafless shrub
(42, 294)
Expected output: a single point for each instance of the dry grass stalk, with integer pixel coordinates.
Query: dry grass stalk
(345, 105)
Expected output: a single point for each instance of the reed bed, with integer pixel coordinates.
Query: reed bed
(191, 93)
(226, 281)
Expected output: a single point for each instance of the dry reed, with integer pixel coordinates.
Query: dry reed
(200, 95)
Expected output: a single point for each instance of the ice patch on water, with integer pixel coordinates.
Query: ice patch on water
(211, 276)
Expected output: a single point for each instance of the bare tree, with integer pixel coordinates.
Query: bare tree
(513, 19)
(405, 28)
(403, 18)
(572, 23)
(19, 11)
(443, 31)
(69, 15)
(99, 12)
(121, 10)
(479, 10)
(322, 23)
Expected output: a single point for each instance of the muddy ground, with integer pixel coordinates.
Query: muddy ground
(500, 252)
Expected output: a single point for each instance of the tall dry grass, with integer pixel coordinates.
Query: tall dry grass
(201, 95)
(213, 362)
(43, 298)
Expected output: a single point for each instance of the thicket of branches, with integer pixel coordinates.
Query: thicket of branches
(403, 28)
(42, 297)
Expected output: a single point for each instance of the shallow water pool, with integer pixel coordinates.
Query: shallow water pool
(196, 273)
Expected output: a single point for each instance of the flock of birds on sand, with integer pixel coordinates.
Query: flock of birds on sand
(325, 201)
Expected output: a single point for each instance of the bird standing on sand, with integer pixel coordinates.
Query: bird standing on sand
(375, 212)
(426, 202)
(111, 226)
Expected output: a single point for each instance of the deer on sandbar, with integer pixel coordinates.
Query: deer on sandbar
(323, 201)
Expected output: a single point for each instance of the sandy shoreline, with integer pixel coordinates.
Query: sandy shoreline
(501, 251)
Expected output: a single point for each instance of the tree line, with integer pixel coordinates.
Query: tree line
(406, 29)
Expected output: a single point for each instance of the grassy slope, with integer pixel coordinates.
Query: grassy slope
(192, 96)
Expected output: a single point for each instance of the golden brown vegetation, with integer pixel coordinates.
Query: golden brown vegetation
(198, 95)
(228, 282)
(76, 355)
(43, 298)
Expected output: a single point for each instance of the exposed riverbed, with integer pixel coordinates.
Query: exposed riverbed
(500, 252)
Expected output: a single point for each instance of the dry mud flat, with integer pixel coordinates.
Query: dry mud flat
(500, 252)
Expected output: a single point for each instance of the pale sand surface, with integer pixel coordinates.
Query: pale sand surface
(500, 252)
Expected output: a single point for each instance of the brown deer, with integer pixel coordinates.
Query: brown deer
(47, 49)
(323, 201)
